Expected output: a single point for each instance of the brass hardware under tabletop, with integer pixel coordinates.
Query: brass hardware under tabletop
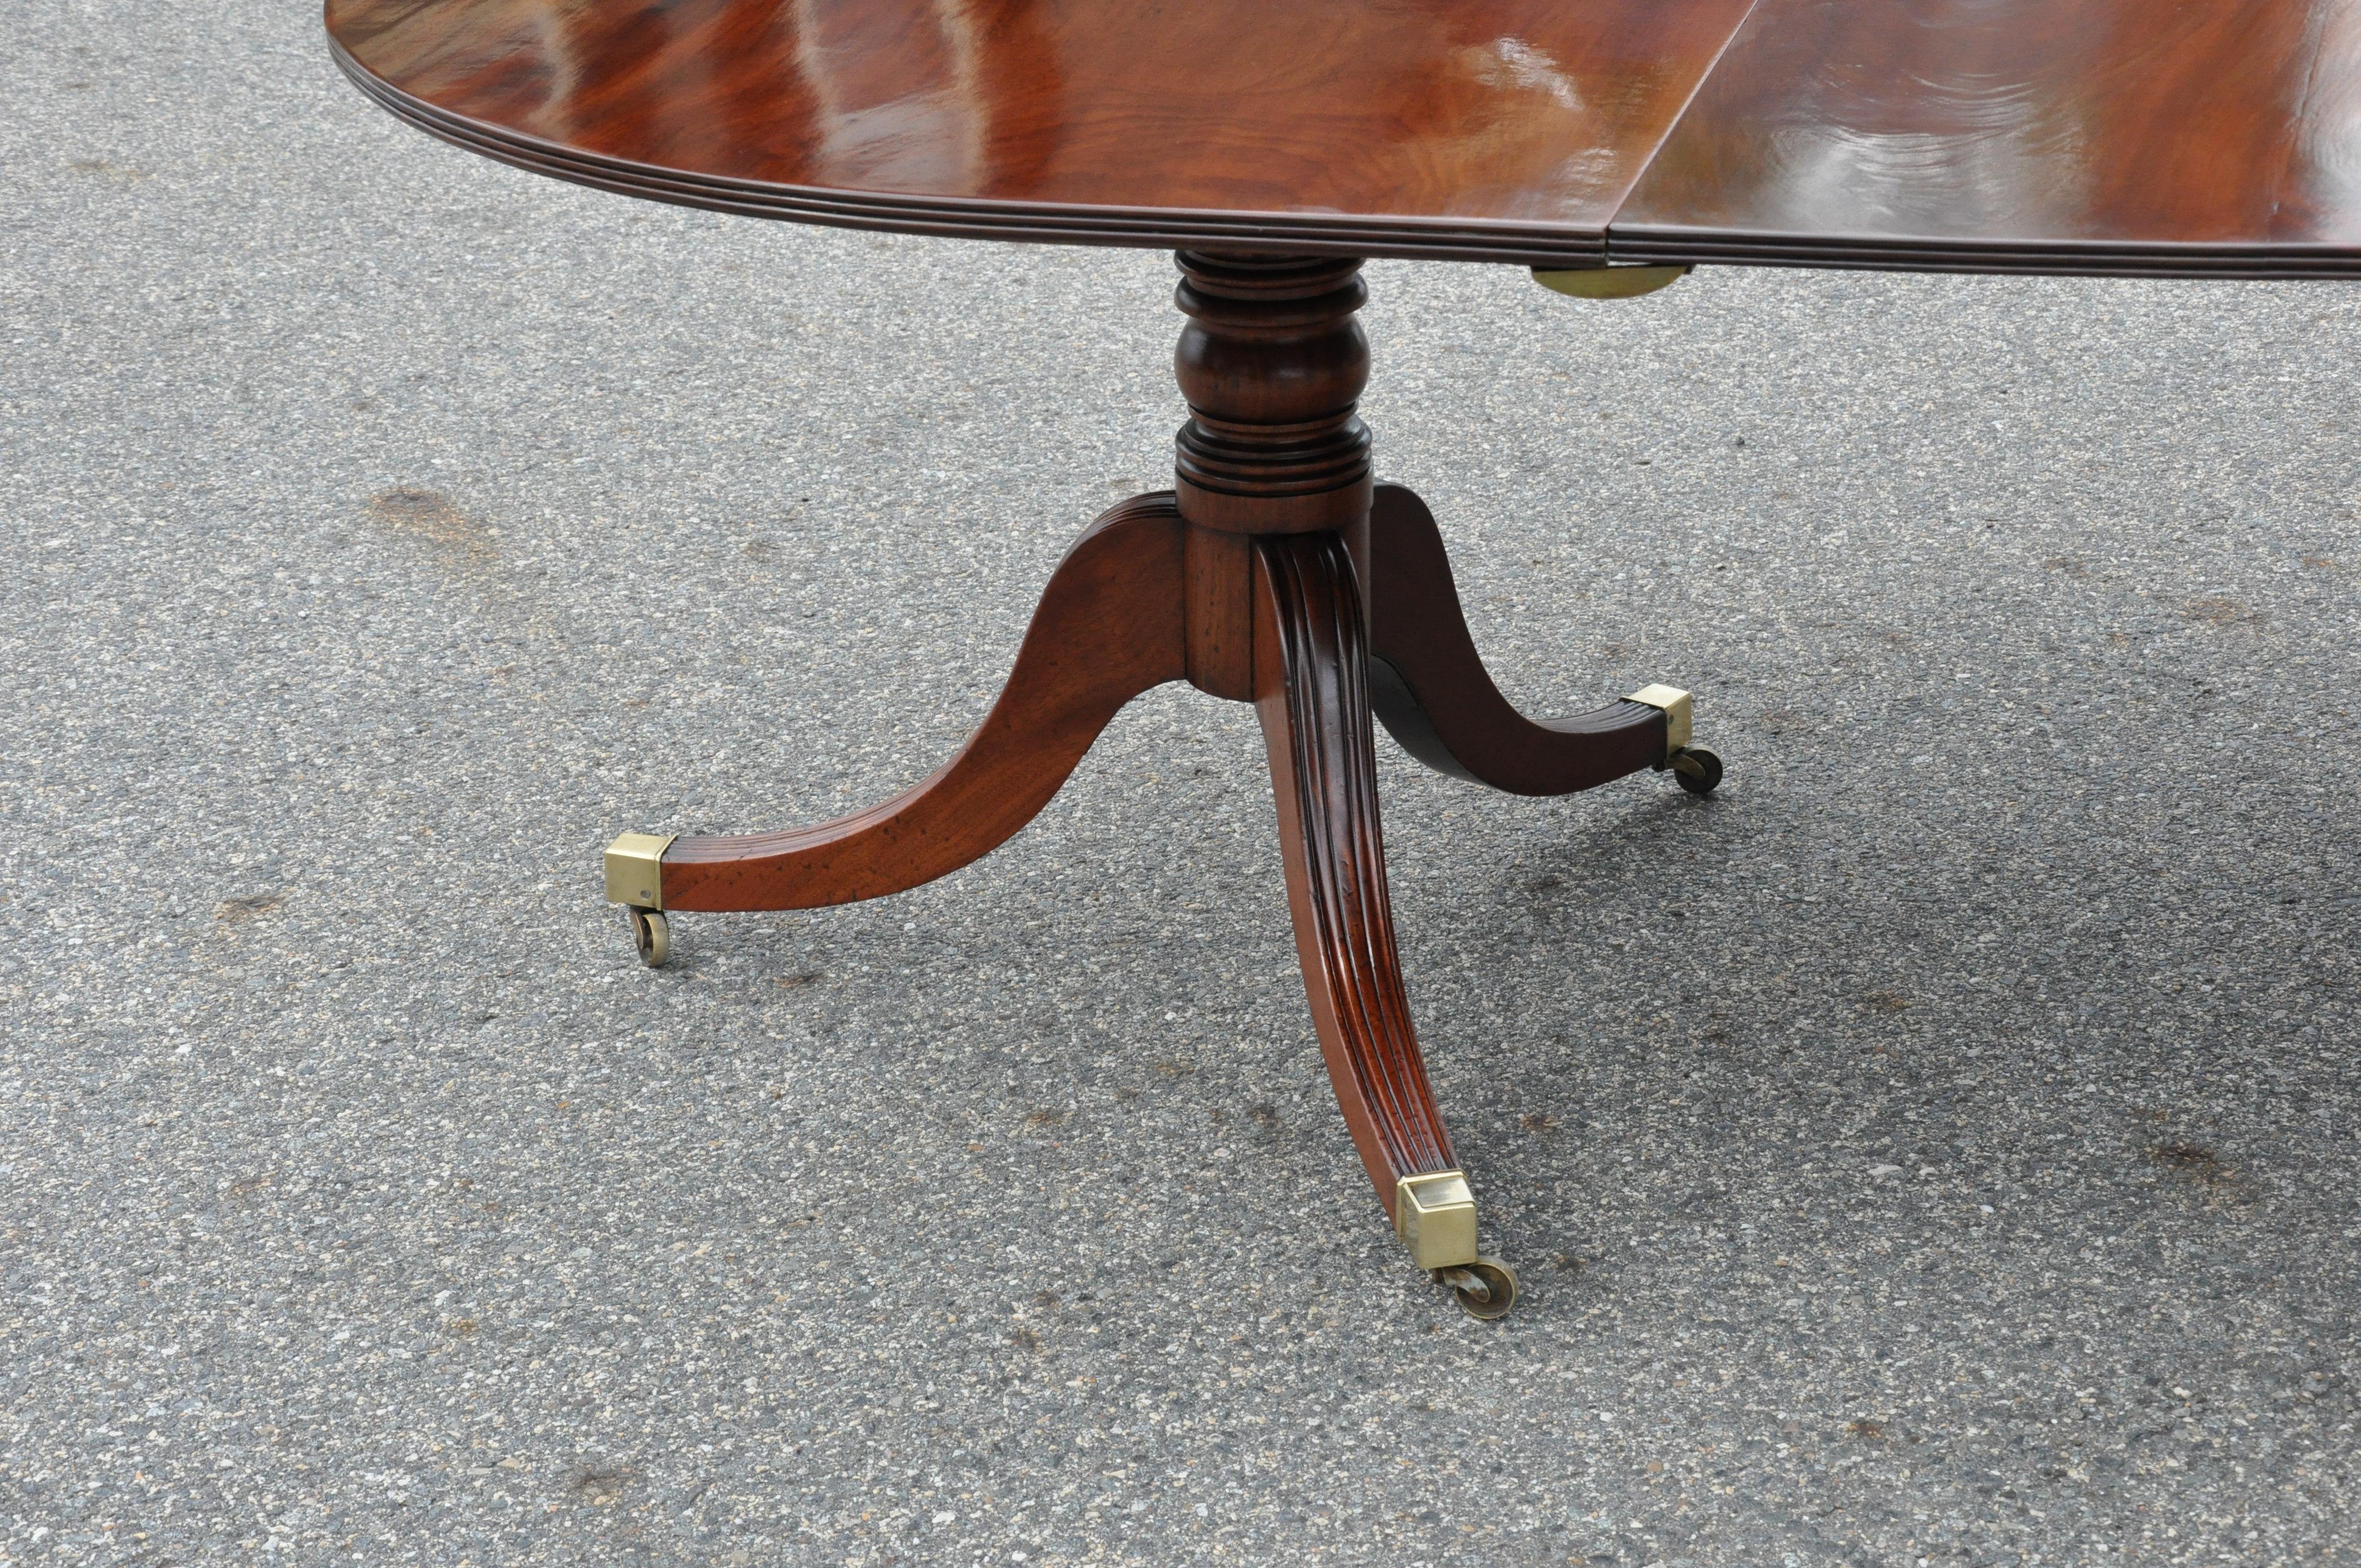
(1609, 282)
(1676, 706)
(635, 870)
(1434, 1214)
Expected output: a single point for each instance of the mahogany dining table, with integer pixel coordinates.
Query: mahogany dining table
(1273, 145)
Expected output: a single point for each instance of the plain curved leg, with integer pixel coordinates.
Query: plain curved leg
(1107, 629)
(1309, 653)
(1428, 686)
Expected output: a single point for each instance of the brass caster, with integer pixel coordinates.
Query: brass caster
(1486, 1287)
(1696, 768)
(652, 934)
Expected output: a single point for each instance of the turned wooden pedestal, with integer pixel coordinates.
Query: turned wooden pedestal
(1276, 573)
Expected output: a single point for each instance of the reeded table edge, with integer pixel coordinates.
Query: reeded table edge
(1440, 239)
(1433, 239)
(1662, 242)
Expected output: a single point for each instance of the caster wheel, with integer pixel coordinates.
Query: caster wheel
(1486, 1287)
(1698, 770)
(652, 934)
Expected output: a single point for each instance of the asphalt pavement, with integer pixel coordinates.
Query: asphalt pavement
(1938, 1148)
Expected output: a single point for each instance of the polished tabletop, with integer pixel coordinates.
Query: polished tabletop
(2203, 138)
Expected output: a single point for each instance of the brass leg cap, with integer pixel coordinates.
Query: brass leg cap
(635, 869)
(1434, 1214)
(1679, 711)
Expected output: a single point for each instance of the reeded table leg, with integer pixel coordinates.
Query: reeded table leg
(1310, 659)
(1430, 689)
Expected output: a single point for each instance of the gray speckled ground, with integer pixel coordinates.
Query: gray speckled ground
(1938, 1149)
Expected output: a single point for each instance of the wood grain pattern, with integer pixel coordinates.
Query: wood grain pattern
(2159, 136)
(1107, 629)
(1311, 654)
(1503, 129)
(2166, 137)
(1219, 593)
(1430, 689)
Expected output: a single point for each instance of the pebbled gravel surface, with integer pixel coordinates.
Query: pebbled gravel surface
(1940, 1148)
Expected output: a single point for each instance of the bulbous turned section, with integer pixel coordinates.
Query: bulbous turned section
(1272, 364)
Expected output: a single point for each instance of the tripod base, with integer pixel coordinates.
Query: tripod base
(1278, 575)
(1113, 622)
